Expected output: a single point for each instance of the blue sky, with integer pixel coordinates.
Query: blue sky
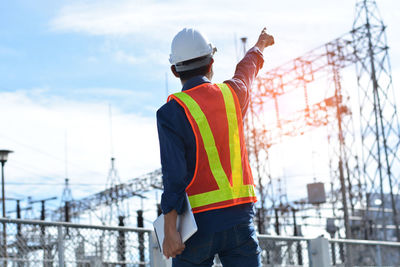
(62, 63)
(67, 64)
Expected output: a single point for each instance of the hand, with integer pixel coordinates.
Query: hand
(172, 244)
(264, 40)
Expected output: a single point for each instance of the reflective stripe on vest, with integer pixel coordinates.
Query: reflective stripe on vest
(227, 191)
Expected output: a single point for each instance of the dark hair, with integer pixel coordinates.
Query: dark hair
(186, 75)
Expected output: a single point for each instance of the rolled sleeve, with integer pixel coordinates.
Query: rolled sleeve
(245, 73)
(173, 162)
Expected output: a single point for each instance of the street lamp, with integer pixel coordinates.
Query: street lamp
(3, 160)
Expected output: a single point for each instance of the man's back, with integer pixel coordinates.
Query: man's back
(179, 147)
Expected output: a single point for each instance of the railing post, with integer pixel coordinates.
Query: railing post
(156, 258)
(60, 243)
(378, 255)
(318, 252)
(333, 252)
(152, 247)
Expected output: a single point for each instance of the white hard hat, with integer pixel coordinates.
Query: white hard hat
(190, 44)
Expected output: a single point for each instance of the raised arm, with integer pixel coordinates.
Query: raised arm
(247, 69)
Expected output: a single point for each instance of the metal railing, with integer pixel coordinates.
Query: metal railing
(284, 251)
(38, 243)
(297, 251)
(350, 252)
(55, 244)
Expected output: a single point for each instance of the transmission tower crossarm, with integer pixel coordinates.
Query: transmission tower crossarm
(304, 69)
(135, 187)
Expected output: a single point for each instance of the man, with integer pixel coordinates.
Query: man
(203, 154)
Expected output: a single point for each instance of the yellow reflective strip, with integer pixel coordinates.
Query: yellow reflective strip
(234, 138)
(208, 140)
(223, 194)
(225, 191)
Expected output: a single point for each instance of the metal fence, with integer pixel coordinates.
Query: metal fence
(37, 243)
(51, 244)
(364, 253)
(284, 251)
(298, 251)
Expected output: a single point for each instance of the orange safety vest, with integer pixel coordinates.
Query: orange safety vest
(222, 176)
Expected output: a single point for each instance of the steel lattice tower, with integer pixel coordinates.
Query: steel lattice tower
(117, 205)
(364, 163)
(380, 133)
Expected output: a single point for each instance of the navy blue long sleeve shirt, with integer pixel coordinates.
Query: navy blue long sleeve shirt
(178, 149)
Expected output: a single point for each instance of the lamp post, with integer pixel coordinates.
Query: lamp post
(3, 160)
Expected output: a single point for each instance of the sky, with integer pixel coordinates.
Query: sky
(80, 81)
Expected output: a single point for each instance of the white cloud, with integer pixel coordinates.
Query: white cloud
(114, 92)
(108, 17)
(154, 18)
(149, 26)
(34, 126)
(297, 26)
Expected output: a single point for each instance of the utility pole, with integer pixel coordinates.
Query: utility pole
(46, 249)
(140, 237)
(121, 244)
(18, 213)
(277, 225)
(296, 233)
(20, 239)
(42, 211)
(43, 206)
(66, 199)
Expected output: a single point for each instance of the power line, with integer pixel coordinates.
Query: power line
(48, 154)
(50, 184)
(32, 172)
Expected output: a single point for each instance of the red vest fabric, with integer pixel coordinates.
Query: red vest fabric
(216, 108)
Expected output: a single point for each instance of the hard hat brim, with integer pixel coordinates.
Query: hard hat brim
(193, 63)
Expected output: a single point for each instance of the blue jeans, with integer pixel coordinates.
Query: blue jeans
(237, 246)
